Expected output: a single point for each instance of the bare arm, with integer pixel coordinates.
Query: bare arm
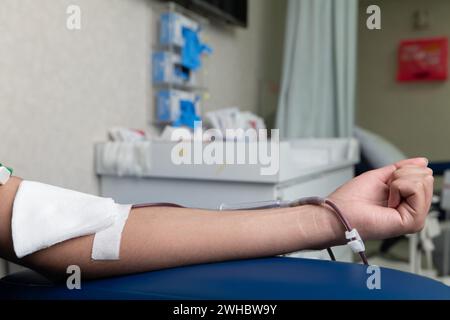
(390, 201)
(161, 237)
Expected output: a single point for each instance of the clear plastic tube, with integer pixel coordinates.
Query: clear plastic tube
(299, 202)
(255, 205)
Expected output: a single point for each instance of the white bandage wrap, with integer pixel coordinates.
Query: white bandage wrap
(45, 215)
(107, 242)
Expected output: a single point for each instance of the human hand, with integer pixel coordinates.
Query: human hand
(386, 202)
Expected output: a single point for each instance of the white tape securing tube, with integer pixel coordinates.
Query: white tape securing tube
(44, 215)
(107, 242)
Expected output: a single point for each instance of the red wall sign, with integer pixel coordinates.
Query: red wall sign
(423, 60)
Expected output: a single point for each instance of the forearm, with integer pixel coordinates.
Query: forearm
(161, 237)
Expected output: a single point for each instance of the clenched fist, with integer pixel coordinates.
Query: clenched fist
(389, 201)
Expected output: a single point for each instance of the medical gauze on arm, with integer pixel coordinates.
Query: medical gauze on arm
(107, 242)
(44, 215)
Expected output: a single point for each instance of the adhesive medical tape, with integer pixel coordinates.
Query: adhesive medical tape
(106, 244)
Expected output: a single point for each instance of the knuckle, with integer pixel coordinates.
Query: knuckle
(397, 174)
(395, 184)
(418, 185)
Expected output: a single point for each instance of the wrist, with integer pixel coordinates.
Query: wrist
(321, 227)
(336, 226)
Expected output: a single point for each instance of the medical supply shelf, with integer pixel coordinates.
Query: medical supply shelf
(172, 81)
(168, 86)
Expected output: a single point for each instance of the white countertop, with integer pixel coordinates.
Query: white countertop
(298, 159)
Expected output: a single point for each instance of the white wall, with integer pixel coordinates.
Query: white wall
(413, 116)
(61, 90)
(245, 61)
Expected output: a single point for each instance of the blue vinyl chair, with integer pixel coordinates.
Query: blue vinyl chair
(257, 279)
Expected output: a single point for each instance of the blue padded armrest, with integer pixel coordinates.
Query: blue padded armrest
(269, 278)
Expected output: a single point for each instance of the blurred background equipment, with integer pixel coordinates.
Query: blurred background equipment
(177, 61)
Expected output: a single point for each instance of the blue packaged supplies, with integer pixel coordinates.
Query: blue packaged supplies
(171, 28)
(182, 32)
(168, 68)
(177, 107)
(193, 49)
(188, 114)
